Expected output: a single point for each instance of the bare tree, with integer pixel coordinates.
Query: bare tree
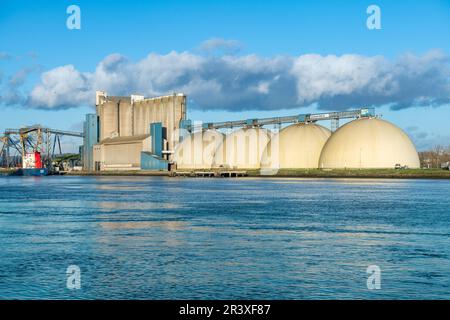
(435, 157)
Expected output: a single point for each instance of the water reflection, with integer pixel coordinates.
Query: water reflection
(167, 225)
(161, 238)
(122, 205)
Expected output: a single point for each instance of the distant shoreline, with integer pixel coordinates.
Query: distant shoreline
(305, 173)
(363, 173)
(290, 173)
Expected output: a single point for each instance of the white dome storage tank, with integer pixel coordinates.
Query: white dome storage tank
(296, 146)
(197, 150)
(369, 143)
(242, 149)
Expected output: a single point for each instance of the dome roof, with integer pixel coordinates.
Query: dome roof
(369, 143)
(296, 146)
(196, 151)
(242, 149)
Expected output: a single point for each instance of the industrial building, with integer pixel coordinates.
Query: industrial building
(33, 151)
(363, 143)
(296, 146)
(137, 133)
(242, 149)
(132, 133)
(197, 150)
(369, 143)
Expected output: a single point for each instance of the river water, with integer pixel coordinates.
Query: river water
(249, 238)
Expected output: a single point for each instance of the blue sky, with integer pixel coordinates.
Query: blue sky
(35, 39)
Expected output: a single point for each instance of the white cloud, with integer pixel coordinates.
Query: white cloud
(323, 77)
(11, 93)
(19, 77)
(252, 82)
(62, 87)
(221, 45)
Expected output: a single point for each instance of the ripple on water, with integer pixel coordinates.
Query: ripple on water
(161, 238)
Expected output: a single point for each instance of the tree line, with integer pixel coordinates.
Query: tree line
(435, 157)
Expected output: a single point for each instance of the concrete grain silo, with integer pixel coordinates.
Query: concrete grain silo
(242, 149)
(125, 118)
(109, 115)
(296, 146)
(125, 141)
(369, 143)
(197, 150)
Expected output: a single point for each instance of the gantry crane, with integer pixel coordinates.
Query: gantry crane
(34, 138)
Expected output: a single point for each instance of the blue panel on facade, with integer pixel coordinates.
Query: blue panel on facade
(156, 132)
(150, 161)
(90, 138)
(185, 129)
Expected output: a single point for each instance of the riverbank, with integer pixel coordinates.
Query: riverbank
(7, 172)
(304, 173)
(119, 173)
(361, 173)
(288, 173)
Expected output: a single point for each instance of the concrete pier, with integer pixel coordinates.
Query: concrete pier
(210, 174)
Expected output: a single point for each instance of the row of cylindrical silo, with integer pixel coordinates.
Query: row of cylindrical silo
(361, 143)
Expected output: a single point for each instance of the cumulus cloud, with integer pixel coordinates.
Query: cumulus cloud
(252, 82)
(11, 93)
(425, 140)
(353, 80)
(11, 97)
(62, 87)
(221, 46)
(19, 77)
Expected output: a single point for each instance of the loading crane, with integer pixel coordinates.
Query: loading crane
(302, 118)
(31, 139)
